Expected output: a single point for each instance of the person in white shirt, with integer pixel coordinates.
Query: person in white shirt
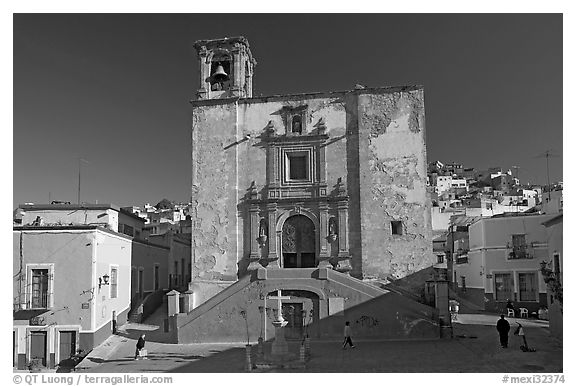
(347, 339)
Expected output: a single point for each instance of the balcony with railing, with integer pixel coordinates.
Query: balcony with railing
(461, 256)
(36, 301)
(522, 252)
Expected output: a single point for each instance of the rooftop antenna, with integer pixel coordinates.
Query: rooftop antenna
(80, 160)
(547, 154)
(516, 174)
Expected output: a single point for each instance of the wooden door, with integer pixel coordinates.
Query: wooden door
(67, 344)
(38, 347)
(299, 243)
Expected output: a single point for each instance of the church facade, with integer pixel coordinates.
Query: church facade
(290, 189)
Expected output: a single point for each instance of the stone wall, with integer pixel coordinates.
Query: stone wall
(214, 188)
(375, 146)
(392, 170)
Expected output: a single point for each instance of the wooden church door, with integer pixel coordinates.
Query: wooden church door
(299, 242)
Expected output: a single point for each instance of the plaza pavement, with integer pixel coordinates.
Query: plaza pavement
(474, 348)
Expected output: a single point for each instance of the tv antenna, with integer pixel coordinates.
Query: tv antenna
(80, 160)
(547, 154)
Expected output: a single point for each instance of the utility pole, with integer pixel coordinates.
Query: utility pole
(516, 187)
(79, 175)
(548, 173)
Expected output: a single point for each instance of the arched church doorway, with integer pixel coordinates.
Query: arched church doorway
(298, 243)
(300, 310)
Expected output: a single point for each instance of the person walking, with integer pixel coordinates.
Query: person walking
(140, 345)
(347, 339)
(503, 328)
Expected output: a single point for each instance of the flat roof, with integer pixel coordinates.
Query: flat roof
(33, 207)
(56, 228)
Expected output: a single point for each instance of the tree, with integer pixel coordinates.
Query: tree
(165, 204)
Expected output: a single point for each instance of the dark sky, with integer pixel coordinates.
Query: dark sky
(115, 90)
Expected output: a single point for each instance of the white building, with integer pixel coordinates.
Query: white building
(503, 262)
(443, 184)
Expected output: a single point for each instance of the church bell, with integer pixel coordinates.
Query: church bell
(220, 75)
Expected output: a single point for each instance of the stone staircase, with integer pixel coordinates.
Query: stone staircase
(240, 312)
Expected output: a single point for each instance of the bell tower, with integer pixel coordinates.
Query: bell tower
(226, 67)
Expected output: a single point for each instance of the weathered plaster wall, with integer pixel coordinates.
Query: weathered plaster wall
(376, 146)
(214, 179)
(225, 164)
(253, 118)
(392, 163)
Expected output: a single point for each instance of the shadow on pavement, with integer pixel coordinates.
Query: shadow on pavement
(227, 361)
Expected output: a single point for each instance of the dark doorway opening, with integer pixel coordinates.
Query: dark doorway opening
(292, 313)
(38, 347)
(67, 344)
(299, 243)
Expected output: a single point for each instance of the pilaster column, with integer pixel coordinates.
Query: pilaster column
(254, 225)
(204, 69)
(324, 255)
(272, 209)
(248, 80)
(236, 81)
(269, 164)
(322, 164)
(275, 177)
(343, 229)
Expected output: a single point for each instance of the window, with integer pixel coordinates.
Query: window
(519, 246)
(39, 288)
(297, 124)
(396, 227)
(440, 259)
(528, 287)
(297, 167)
(156, 277)
(556, 267)
(128, 230)
(113, 282)
(503, 286)
(176, 273)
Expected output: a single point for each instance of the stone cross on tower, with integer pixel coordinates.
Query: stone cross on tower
(279, 297)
